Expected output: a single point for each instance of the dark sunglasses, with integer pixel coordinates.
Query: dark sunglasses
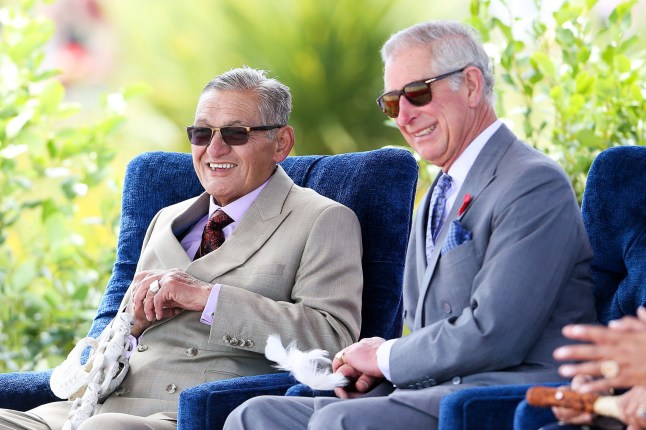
(233, 135)
(418, 93)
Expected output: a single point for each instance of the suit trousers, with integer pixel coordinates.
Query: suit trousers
(322, 413)
(52, 416)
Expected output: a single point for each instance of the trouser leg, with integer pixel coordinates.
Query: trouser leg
(283, 413)
(50, 416)
(117, 421)
(370, 413)
(271, 413)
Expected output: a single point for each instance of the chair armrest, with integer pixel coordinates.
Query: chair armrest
(483, 408)
(22, 391)
(302, 390)
(532, 417)
(207, 406)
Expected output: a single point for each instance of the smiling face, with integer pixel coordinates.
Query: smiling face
(440, 130)
(230, 172)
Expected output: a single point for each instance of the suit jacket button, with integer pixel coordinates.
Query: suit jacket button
(249, 343)
(233, 341)
(433, 382)
(191, 352)
(142, 348)
(171, 388)
(226, 338)
(456, 380)
(119, 391)
(446, 307)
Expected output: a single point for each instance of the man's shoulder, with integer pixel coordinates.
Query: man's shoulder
(522, 159)
(308, 207)
(309, 199)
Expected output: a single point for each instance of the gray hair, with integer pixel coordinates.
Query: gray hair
(452, 47)
(275, 99)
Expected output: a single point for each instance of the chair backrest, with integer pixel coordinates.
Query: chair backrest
(379, 186)
(614, 214)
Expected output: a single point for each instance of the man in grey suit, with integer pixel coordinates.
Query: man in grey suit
(290, 264)
(497, 262)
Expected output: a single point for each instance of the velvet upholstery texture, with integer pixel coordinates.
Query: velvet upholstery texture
(614, 214)
(379, 186)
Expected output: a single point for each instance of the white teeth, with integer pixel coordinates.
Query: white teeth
(425, 131)
(221, 165)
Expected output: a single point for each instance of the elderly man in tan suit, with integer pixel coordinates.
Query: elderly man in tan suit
(290, 264)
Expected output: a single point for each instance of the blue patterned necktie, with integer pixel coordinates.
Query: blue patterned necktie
(437, 212)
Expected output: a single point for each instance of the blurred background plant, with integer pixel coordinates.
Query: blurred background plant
(568, 82)
(57, 206)
(571, 79)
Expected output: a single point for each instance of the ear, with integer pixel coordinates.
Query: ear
(284, 143)
(475, 85)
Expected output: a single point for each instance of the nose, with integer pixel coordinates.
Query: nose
(217, 146)
(407, 112)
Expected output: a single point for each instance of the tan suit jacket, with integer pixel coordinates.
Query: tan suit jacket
(292, 266)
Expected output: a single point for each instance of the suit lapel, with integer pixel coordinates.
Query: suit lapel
(166, 245)
(420, 231)
(481, 174)
(261, 220)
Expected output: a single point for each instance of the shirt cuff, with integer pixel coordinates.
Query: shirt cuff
(134, 341)
(209, 309)
(383, 357)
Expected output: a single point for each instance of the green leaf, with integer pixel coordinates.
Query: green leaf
(23, 275)
(542, 62)
(51, 96)
(623, 64)
(584, 82)
(16, 124)
(565, 37)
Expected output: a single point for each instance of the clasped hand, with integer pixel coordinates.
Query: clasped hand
(623, 344)
(359, 366)
(177, 291)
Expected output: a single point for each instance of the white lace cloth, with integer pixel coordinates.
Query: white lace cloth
(103, 372)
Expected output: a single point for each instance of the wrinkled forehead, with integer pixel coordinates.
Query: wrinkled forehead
(218, 108)
(407, 65)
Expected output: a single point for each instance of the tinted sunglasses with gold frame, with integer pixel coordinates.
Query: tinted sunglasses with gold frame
(231, 135)
(417, 93)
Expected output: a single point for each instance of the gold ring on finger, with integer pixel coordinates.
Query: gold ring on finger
(610, 369)
(339, 356)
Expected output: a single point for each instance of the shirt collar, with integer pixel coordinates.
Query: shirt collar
(462, 165)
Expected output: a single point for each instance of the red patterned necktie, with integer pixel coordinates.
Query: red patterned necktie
(213, 236)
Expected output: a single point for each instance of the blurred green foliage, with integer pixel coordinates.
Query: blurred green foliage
(571, 82)
(55, 257)
(326, 52)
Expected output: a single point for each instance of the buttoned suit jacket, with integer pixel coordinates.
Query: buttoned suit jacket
(490, 311)
(292, 266)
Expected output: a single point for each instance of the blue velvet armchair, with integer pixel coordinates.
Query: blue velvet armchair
(614, 214)
(378, 185)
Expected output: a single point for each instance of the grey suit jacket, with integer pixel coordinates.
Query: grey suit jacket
(490, 311)
(292, 266)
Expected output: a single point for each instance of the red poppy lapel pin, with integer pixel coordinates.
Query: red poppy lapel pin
(465, 204)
